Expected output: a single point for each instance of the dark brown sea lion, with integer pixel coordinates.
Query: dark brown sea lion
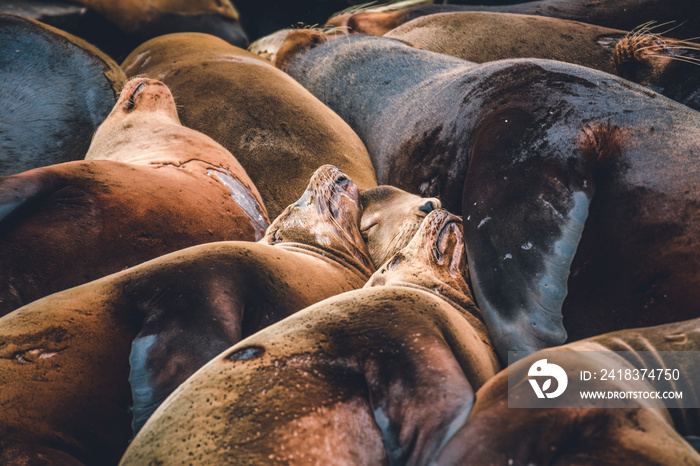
(670, 67)
(117, 27)
(55, 90)
(68, 359)
(275, 128)
(390, 219)
(497, 434)
(70, 223)
(624, 14)
(380, 375)
(529, 150)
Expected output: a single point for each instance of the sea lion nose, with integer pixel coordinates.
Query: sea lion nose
(429, 206)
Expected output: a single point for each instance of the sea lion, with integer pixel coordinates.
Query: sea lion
(275, 128)
(119, 27)
(529, 150)
(80, 356)
(390, 219)
(670, 67)
(373, 376)
(150, 186)
(481, 36)
(625, 14)
(55, 90)
(497, 434)
(667, 66)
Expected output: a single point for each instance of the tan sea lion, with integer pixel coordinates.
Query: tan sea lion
(380, 375)
(150, 186)
(55, 90)
(638, 431)
(390, 219)
(71, 363)
(278, 131)
(577, 188)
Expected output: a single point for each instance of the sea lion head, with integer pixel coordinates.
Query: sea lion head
(390, 218)
(326, 216)
(654, 61)
(142, 104)
(434, 260)
(296, 44)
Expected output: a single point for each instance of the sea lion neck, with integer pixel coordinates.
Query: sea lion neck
(343, 257)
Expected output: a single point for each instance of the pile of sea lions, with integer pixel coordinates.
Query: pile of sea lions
(237, 232)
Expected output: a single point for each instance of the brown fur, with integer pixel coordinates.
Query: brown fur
(482, 37)
(297, 44)
(317, 387)
(257, 112)
(601, 142)
(150, 186)
(64, 360)
(648, 434)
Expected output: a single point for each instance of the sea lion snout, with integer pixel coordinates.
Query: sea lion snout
(146, 94)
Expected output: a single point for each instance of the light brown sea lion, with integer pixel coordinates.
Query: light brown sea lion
(649, 433)
(390, 219)
(278, 131)
(55, 90)
(577, 188)
(67, 361)
(150, 186)
(380, 375)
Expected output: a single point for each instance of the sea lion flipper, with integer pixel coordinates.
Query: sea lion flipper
(415, 428)
(142, 392)
(522, 229)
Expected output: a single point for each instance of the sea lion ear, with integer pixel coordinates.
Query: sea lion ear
(296, 44)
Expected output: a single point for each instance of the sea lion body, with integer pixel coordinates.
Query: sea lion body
(151, 187)
(55, 90)
(482, 36)
(625, 15)
(382, 373)
(148, 328)
(118, 27)
(529, 150)
(278, 131)
(495, 434)
(667, 66)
